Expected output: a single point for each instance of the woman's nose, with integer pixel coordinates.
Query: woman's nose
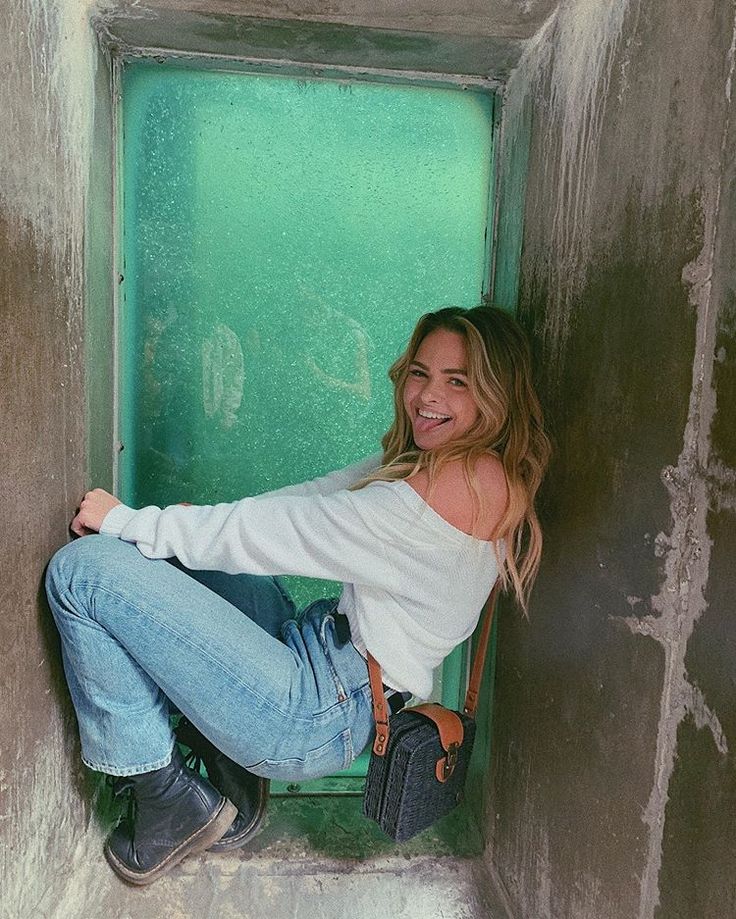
(429, 391)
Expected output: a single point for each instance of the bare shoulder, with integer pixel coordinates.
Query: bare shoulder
(452, 498)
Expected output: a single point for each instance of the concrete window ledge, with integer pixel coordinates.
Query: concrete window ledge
(316, 858)
(265, 884)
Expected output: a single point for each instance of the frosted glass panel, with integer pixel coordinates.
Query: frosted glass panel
(281, 236)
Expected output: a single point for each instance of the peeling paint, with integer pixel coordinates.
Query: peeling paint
(706, 718)
(722, 483)
(689, 700)
(680, 602)
(731, 57)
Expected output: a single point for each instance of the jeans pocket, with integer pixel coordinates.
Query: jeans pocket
(328, 640)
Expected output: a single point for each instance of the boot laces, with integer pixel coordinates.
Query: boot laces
(122, 787)
(194, 761)
(195, 758)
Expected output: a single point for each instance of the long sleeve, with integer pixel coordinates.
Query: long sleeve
(413, 585)
(362, 537)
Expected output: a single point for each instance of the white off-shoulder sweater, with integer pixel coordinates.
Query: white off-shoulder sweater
(413, 584)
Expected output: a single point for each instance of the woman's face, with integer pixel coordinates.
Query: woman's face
(436, 394)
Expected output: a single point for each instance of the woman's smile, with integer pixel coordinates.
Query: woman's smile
(427, 421)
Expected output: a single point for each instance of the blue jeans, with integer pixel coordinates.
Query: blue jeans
(142, 639)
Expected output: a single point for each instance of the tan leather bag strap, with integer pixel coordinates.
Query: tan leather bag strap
(380, 707)
(479, 659)
(450, 727)
(451, 731)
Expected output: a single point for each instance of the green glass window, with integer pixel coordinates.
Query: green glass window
(280, 238)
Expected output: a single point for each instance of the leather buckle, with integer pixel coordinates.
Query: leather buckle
(447, 765)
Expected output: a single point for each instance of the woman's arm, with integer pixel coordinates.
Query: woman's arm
(371, 536)
(98, 502)
(92, 511)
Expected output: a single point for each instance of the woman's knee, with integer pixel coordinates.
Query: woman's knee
(84, 555)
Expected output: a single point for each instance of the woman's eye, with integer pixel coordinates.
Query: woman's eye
(457, 382)
(416, 373)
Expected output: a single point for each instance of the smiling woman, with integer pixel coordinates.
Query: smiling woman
(417, 535)
(476, 375)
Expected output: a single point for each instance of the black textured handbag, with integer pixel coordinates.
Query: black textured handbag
(418, 764)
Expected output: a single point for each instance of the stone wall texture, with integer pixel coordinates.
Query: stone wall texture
(614, 708)
(612, 785)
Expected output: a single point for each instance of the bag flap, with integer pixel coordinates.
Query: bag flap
(449, 723)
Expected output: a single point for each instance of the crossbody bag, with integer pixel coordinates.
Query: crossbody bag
(420, 759)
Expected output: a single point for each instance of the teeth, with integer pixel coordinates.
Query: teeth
(432, 415)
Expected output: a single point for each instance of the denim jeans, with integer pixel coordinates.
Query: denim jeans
(142, 639)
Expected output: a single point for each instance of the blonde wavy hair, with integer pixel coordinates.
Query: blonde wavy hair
(509, 426)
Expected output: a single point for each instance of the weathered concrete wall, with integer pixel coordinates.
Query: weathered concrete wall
(55, 288)
(614, 727)
(480, 38)
(491, 18)
(614, 785)
(47, 61)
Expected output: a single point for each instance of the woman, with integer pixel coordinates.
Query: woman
(417, 535)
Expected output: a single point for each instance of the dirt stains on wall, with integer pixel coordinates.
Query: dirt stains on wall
(569, 64)
(48, 58)
(47, 65)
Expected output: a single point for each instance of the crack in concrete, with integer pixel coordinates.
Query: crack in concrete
(681, 600)
(690, 699)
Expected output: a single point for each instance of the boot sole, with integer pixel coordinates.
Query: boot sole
(215, 827)
(237, 842)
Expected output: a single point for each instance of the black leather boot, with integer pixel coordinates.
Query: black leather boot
(248, 792)
(174, 813)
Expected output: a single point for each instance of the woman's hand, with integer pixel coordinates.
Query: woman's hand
(92, 511)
